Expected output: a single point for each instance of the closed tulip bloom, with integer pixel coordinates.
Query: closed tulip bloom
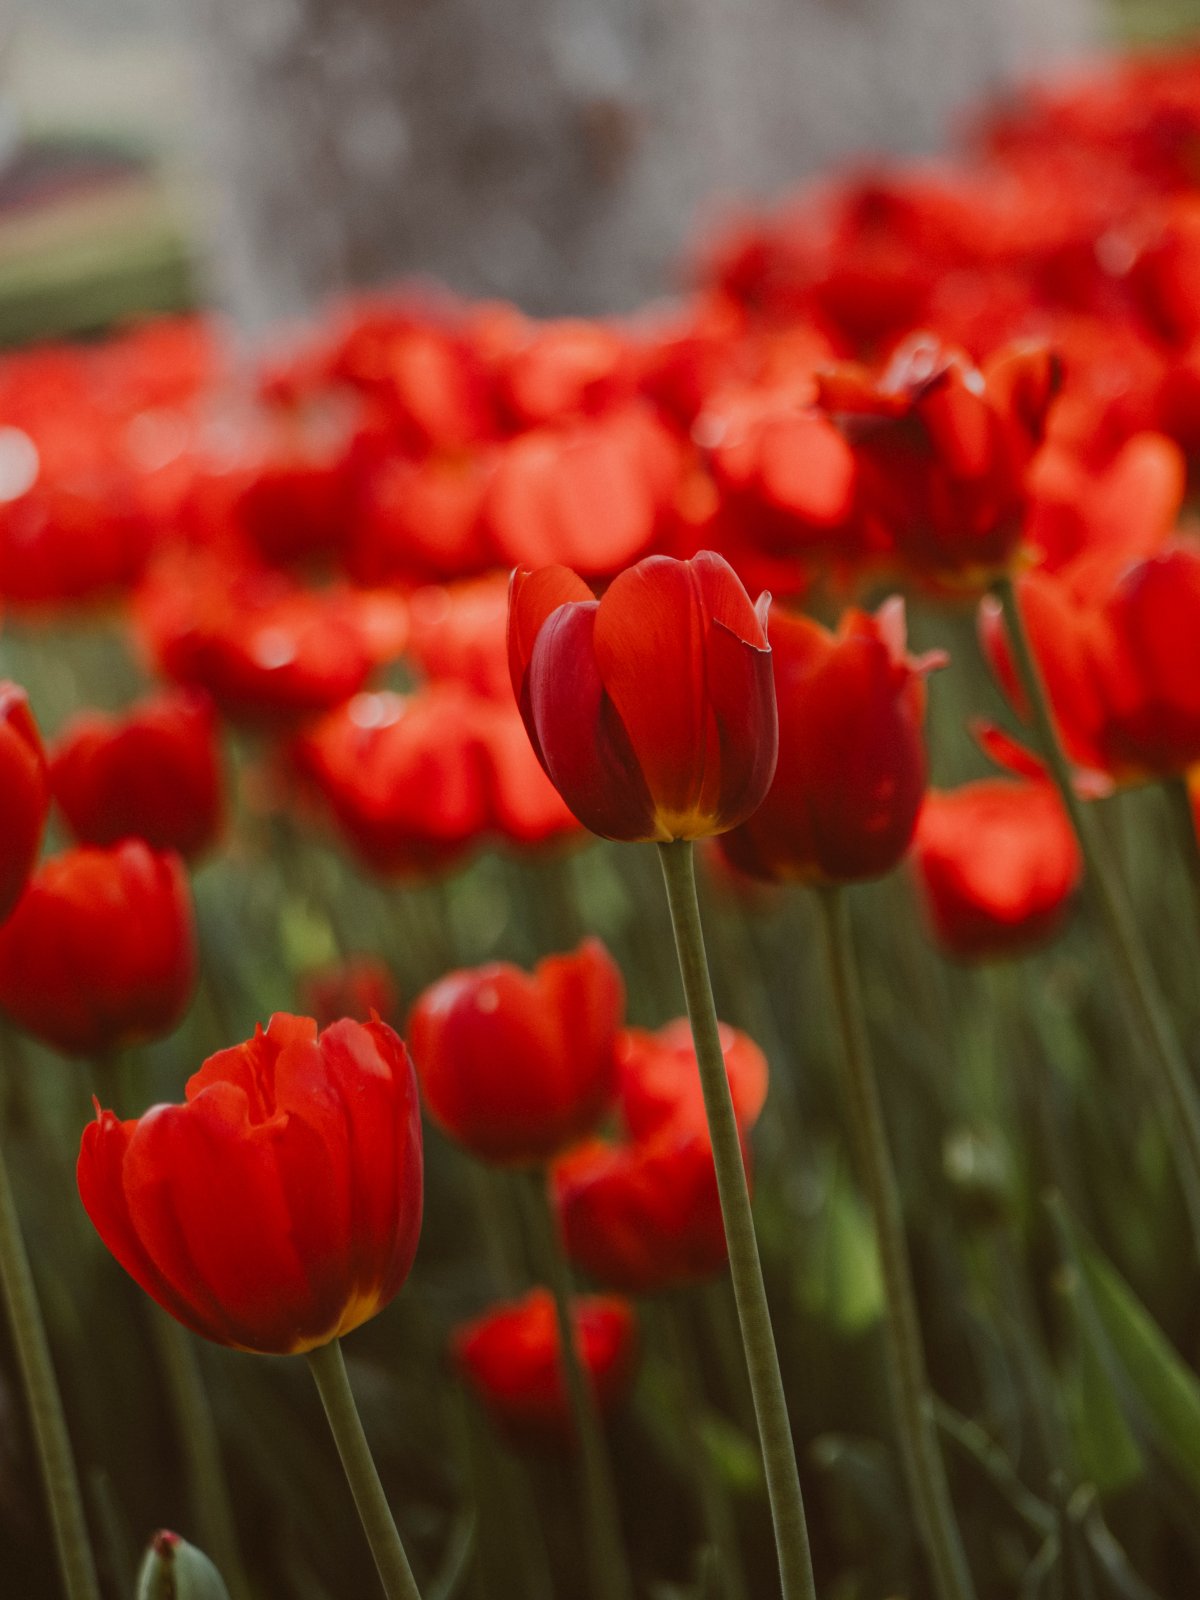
(279, 1207)
(852, 768)
(100, 951)
(517, 1066)
(415, 782)
(511, 1359)
(152, 773)
(997, 866)
(1118, 643)
(356, 986)
(644, 1212)
(652, 709)
(24, 794)
(944, 451)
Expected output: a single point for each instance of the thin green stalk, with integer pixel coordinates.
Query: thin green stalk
(50, 1435)
(758, 1336)
(920, 1448)
(208, 1490)
(1183, 818)
(329, 1370)
(720, 1523)
(1170, 1078)
(610, 1569)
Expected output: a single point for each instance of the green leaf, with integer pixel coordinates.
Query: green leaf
(1164, 1393)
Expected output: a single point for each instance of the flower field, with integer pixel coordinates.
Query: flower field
(627, 894)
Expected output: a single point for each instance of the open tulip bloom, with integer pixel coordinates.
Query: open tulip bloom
(277, 1209)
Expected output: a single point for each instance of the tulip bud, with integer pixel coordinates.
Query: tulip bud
(176, 1570)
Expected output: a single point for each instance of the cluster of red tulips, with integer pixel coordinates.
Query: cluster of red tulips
(974, 381)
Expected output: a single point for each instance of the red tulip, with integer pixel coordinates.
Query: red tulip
(458, 632)
(152, 774)
(852, 768)
(100, 951)
(358, 986)
(279, 1207)
(518, 1066)
(417, 781)
(645, 1213)
(24, 794)
(997, 865)
(652, 710)
(943, 452)
(511, 1359)
(1118, 644)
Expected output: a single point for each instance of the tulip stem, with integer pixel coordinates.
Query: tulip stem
(601, 1511)
(1170, 1079)
(51, 1438)
(1184, 817)
(754, 1316)
(329, 1370)
(920, 1450)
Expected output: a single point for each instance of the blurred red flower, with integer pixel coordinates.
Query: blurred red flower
(279, 1207)
(644, 1212)
(418, 781)
(24, 794)
(943, 452)
(517, 1066)
(653, 709)
(354, 986)
(511, 1357)
(852, 766)
(100, 951)
(152, 773)
(997, 866)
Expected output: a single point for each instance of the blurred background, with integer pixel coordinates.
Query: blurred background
(263, 153)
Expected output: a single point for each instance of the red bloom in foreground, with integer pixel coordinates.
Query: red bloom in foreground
(645, 1213)
(279, 1207)
(1119, 649)
(652, 710)
(997, 865)
(24, 794)
(516, 1066)
(852, 768)
(153, 774)
(101, 949)
(943, 451)
(511, 1359)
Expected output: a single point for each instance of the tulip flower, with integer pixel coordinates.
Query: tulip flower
(152, 774)
(943, 452)
(1118, 644)
(652, 709)
(279, 1207)
(852, 768)
(997, 866)
(357, 986)
(644, 1213)
(24, 794)
(417, 781)
(511, 1359)
(518, 1066)
(100, 951)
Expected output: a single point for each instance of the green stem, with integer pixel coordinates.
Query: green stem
(758, 1336)
(720, 1522)
(208, 1491)
(1184, 819)
(45, 1404)
(601, 1513)
(1170, 1077)
(920, 1449)
(329, 1370)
